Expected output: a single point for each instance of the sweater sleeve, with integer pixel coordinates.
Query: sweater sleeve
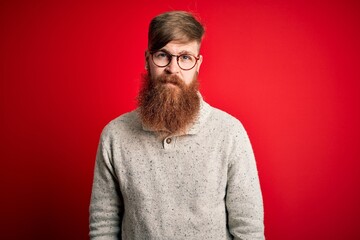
(243, 195)
(106, 205)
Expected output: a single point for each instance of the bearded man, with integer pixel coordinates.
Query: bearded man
(175, 168)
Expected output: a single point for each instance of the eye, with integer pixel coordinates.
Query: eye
(186, 58)
(160, 55)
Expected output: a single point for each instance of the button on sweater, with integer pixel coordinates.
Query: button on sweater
(202, 185)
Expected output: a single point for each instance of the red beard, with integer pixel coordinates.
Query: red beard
(167, 105)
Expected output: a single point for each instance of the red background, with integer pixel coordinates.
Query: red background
(288, 70)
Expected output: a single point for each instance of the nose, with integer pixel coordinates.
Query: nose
(173, 66)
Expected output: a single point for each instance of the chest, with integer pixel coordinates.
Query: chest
(183, 168)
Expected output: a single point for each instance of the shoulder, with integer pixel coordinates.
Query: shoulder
(232, 132)
(122, 125)
(228, 129)
(225, 121)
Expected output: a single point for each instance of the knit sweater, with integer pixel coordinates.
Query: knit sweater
(202, 185)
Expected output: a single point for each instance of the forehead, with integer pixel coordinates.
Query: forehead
(176, 47)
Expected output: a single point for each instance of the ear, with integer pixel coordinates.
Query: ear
(147, 59)
(199, 63)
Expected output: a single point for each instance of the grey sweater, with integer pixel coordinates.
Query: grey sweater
(202, 185)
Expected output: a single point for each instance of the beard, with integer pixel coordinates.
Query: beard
(167, 105)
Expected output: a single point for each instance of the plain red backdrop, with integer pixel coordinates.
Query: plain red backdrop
(289, 70)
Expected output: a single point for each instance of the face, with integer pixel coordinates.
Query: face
(170, 92)
(176, 48)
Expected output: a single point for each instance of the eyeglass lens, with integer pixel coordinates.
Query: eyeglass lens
(185, 61)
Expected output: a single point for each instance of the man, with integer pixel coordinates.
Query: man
(175, 168)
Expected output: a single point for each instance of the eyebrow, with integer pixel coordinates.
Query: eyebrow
(181, 52)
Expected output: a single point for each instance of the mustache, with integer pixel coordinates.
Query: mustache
(173, 79)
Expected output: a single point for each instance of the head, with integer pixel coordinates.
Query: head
(175, 33)
(169, 100)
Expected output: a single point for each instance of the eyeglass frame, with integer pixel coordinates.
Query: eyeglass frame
(177, 59)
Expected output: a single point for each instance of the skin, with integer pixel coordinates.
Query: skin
(176, 48)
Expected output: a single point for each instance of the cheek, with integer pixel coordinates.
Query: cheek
(155, 71)
(188, 77)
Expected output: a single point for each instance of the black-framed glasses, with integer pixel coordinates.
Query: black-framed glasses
(185, 61)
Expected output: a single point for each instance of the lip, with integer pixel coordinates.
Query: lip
(170, 84)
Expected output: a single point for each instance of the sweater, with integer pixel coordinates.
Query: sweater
(201, 185)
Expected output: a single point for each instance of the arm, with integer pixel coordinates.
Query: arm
(106, 206)
(243, 195)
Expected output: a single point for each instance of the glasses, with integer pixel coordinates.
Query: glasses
(184, 61)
